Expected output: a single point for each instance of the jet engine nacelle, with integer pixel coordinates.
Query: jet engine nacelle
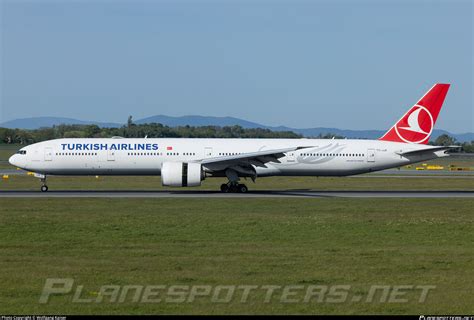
(181, 174)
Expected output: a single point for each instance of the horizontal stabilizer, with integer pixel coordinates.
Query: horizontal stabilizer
(427, 150)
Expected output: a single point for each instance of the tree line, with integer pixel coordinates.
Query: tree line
(131, 130)
(447, 140)
(157, 130)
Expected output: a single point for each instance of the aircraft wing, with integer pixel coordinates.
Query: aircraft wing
(426, 150)
(243, 163)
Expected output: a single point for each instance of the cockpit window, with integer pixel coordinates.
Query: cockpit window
(21, 152)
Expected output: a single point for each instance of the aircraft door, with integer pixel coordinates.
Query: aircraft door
(370, 155)
(110, 155)
(37, 155)
(48, 154)
(290, 157)
(208, 152)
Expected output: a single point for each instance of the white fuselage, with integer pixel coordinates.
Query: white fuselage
(123, 156)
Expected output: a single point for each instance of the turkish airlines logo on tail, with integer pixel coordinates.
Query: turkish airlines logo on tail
(416, 126)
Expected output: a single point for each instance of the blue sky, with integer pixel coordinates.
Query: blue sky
(345, 64)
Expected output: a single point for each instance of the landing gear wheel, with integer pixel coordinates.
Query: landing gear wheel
(242, 188)
(224, 187)
(44, 188)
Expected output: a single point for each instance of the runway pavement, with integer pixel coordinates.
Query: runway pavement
(251, 194)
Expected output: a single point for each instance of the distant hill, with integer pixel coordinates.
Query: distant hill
(38, 122)
(198, 121)
(43, 122)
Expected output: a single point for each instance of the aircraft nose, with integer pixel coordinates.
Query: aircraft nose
(14, 161)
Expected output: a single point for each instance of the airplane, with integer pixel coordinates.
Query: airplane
(186, 162)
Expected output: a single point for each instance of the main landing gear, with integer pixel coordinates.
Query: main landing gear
(234, 187)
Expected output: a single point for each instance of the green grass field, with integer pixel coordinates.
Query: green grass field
(455, 160)
(23, 182)
(302, 242)
(355, 242)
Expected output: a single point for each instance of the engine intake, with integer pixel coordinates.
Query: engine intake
(181, 174)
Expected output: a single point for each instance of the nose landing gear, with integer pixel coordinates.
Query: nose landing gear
(44, 187)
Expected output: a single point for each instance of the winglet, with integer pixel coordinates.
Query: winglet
(417, 124)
